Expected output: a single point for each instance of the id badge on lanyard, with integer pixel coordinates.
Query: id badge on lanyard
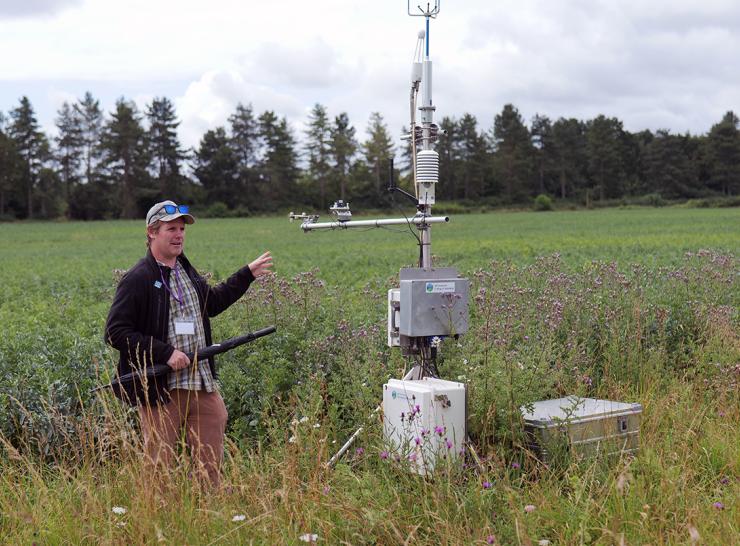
(185, 327)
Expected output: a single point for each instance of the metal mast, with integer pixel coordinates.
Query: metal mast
(424, 137)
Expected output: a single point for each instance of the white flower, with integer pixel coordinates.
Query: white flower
(121, 523)
(303, 419)
(292, 439)
(239, 517)
(317, 425)
(119, 510)
(309, 537)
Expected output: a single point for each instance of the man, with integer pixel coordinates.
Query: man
(161, 311)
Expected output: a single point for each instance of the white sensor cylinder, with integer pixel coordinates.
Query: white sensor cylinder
(415, 72)
(427, 115)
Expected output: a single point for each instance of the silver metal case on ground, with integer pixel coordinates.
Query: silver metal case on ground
(433, 302)
(424, 421)
(588, 427)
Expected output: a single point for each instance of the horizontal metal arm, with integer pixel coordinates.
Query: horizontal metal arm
(416, 220)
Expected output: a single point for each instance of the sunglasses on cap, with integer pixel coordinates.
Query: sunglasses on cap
(172, 209)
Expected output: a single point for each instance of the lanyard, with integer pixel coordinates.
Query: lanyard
(179, 298)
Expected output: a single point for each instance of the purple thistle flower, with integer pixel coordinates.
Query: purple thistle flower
(448, 443)
(412, 457)
(424, 432)
(384, 455)
(725, 480)
(487, 485)
(718, 505)
(417, 408)
(515, 465)
(439, 430)
(359, 451)
(490, 539)
(417, 440)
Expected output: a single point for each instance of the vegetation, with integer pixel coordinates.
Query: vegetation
(620, 304)
(114, 165)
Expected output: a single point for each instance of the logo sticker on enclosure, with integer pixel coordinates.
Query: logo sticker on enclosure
(440, 287)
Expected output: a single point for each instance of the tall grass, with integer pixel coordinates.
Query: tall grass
(666, 336)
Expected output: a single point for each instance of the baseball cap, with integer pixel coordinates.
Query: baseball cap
(166, 211)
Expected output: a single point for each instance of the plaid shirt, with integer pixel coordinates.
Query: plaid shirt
(198, 375)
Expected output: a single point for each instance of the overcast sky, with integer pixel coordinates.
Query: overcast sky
(652, 63)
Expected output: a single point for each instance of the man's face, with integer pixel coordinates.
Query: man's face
(168, 242)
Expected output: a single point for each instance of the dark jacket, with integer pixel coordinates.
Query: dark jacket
(139, 317)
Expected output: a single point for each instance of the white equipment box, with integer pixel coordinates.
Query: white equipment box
(424, 421)
(591, 427)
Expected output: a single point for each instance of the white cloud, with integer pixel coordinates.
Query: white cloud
(658, 64)
(34, 8)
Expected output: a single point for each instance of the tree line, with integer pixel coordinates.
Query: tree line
(115, 165)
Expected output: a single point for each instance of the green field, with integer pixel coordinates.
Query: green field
(631, 304)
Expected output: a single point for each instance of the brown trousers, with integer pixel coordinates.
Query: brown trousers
(203, 414)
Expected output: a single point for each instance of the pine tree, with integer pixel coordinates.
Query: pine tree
(318, 151)
(342, 149)
(569, 151)
(69, 150)
(217, 168)
(472, 157)
(669, 166)
(378, 149)
(541, 134)
(724, 155)
(448, 159)
(245, 141)
(126, 159)
(278, 169)
(512, 153)
(164, 148)
(91, 127)
(10, 169)
(604, 145)
(32, 146)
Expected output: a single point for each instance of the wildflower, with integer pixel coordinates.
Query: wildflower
(487, 485)
(239, 517)
(725, 480)
(292, 439)
(515, 465)
(439, 430)
(303, 419)
(718, 505)
(309, 537)
(490, 539)
(448, 443)
(359, 451)
(530, 508)
(384, 455)
(424, 432)
(543, 542)
(326, 489)
(317, 425)
(436, 341)
(119, 510)
(417, 440)
(412, 457)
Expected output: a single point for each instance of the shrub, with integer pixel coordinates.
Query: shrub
(542, 202)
